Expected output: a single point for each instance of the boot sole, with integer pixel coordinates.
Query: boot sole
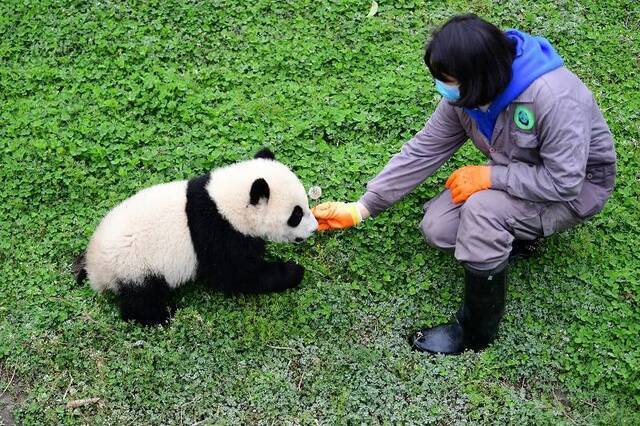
(415, 348)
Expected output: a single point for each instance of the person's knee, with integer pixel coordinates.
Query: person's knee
(436, 233)
(485, 204)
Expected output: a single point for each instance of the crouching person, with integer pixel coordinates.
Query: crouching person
(551, 165)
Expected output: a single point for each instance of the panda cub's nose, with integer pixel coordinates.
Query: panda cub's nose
(299, 240)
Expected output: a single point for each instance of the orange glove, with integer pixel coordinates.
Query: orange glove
(336, 215)
(468, 180)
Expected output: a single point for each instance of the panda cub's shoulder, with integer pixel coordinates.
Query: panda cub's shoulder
(213, 218)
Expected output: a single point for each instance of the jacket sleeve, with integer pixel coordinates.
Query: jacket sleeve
(418, 159)
(564, 133)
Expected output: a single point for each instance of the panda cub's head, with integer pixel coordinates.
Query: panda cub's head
(262, 198)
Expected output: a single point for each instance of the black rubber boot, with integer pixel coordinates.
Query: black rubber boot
(477, 320)
(524, 249)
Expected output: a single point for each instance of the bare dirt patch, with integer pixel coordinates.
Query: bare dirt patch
(10, 395)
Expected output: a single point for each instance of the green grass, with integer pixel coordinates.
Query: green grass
(99, 99)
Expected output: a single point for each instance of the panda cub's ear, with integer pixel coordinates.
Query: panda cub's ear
(265, 153)
(259, 189)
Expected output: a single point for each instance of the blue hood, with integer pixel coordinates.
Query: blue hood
(534, 57)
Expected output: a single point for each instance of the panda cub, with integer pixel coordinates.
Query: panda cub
(211, 228)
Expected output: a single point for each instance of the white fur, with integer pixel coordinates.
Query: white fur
(145, 234)
(230, 186)
(148, 233)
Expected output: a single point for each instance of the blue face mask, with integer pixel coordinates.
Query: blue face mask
(450, 93)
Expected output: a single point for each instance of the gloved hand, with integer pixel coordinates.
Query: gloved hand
(468, 180)
(336, 215)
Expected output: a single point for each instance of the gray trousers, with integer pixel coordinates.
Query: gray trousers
(479, 232)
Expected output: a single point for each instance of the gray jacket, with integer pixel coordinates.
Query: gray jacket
(567, 154)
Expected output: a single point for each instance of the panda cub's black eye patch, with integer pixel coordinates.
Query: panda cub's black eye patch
(296, 217)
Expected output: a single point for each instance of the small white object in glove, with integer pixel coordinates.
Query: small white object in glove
(315, 192)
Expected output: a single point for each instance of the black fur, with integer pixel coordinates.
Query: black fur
(259, 189)
(265, 153)
(296, 217)
(146, 303)
(79, 268)
(228, 260)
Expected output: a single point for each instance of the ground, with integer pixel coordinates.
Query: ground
(99, 99)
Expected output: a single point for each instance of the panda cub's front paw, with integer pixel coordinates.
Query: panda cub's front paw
(293, 274)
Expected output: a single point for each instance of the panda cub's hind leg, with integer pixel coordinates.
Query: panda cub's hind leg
(146, 303)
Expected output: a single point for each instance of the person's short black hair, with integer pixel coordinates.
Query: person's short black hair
(474, 52)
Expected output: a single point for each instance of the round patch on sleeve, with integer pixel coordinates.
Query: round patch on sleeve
(524, 118)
